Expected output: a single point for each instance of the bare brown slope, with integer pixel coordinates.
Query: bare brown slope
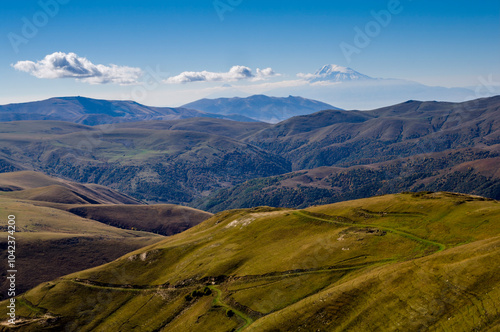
(53, 193)
(472, 171)
(25, 180)
(347, 138)
(228, 128)
(99, 203)
(51, 242)
(157, 166)
(40, 187)
(52, 238)
(164, 219)
(487, 167)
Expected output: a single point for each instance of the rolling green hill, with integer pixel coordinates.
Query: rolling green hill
(57, 239)
(416, 262)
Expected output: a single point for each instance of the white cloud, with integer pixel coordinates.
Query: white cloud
(264, 73)
(70, 65)
(308, 76)
(236, 73)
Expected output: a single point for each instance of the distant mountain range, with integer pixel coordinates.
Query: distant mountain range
(261, 107)
(188, 161)
(342, 87)
(349, 89)
(331, 87)
(341, 155)
(92, 112)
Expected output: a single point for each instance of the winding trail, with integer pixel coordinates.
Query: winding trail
(267, 276)
(441, 246)
(218, 302)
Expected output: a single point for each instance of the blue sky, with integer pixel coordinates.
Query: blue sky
(446, 43)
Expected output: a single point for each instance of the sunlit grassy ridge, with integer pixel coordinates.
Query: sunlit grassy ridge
(455, 290)
(451, 219)
(399, 262)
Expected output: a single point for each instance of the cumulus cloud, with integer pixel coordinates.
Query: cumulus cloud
(236, 73)
(264, 73)
(70, 65)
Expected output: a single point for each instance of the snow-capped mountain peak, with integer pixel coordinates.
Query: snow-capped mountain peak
(335, 73)
(328, 69)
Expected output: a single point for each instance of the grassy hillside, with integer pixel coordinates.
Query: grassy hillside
(98, 203)
(418, 261)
